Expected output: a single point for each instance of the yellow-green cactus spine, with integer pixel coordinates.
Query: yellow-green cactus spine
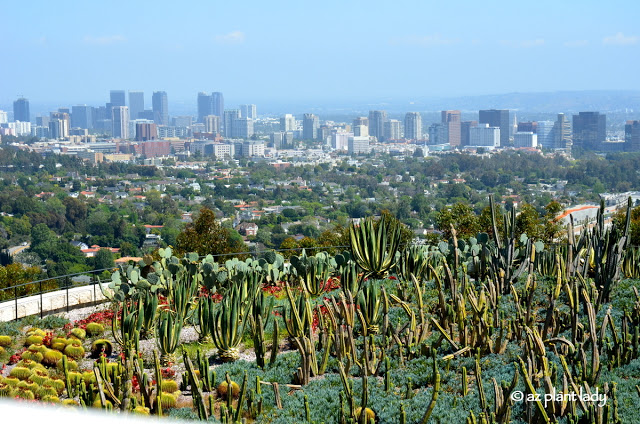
(78, 333)
(51, 357)
(74, 351)
(21, 373)
(33, 339)
(95, 329)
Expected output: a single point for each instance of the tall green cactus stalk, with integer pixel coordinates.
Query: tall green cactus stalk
(275, 347)
(298, 324)
(374, 245)
(504, 253)
(158, 375)
(196, 390)
(261, 312)
(204, 312)
(148, 313)
(607, 246)
(207, 375)
(168, 332)
(229, 322)
(435, 394)
(130, 325)
(241, 397)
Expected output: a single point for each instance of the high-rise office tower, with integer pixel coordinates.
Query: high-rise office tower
(438, 133)
(451, 119)
(527, 127)
(340, 139)
(146, 131)
(64, 125)
(120, 122)
(392, 130)
(544, 130)
(249, 111)
(117, 98)
(310, 125)
(561, 133)
(42, 121)
(58, 128)
(282, 140)
(589, 130)
(497, 118)
(377, 118)
(3, 117)
(205, 107)
(243, 127)
(160, 105)
(632, 136)
(229, 117)
(182, 121)
(413, 126)
(21, 110)
(288, 123)
(361, 120)
(82, 116)
(136, 104)
(465, 132)
(217, 104)
(361, 126)
(212, 124)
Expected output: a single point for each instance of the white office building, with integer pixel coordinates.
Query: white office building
(525, 139)
(340, 140)
(358, 145)
(484, 136)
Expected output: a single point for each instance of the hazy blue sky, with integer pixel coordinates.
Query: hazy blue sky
(330, 51)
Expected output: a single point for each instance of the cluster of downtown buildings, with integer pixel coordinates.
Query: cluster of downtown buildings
(220, 132)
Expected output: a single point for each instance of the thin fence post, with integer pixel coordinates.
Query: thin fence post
(41, 301)
(67, 284)
(15, 298)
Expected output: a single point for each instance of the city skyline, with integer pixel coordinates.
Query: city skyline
(482, 50)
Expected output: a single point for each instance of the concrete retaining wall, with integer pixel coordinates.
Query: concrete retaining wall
(53, 302)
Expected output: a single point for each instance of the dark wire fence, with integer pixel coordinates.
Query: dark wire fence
(66, 282)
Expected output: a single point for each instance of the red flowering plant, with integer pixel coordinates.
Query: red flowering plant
(47, 339)
(168, 372)
(15, 358)
(135, 385)
(332, 284)
(316, 319)
(102, 317)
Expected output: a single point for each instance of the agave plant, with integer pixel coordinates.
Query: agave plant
(374, 245)
(373, 305)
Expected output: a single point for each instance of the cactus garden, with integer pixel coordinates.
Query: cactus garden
(490, 329)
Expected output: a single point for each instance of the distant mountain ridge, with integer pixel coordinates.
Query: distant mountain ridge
(561, 101)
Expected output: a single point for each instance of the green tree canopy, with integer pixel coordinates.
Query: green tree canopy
(206, 236)
(462, 217)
